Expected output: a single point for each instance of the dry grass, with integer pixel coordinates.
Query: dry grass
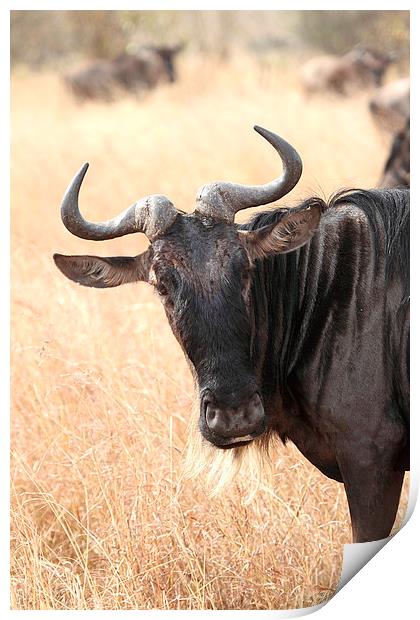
(102, 397)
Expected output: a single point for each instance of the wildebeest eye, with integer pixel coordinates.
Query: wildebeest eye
(166, 281)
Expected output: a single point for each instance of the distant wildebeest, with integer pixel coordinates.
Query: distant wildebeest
(397, 167)
(390, 105)
(359, 68)
(133, 73)
(295, 323)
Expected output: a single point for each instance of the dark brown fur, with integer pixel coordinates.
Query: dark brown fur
(295, 324)
(133, 73)
(359, 68)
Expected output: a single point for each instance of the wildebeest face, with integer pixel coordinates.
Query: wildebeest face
(201, 270)
(201, 266)
(375, 62)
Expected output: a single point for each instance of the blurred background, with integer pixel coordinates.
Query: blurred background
(163, 102)
(54, 38)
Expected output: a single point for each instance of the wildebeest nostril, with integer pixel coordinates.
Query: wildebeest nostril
(235, 422)
(211, 415)
(215, 419)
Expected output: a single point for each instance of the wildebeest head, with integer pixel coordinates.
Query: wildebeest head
(154, 63)
(372, 64)
(200, 264)
(168, 54)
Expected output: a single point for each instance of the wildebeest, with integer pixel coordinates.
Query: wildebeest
(294, 323)
(390, 105)
(133, 73)
(397, 167)
(359, 68)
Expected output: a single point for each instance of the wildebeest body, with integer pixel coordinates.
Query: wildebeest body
(359, 68)
(319, 311)
(145, 69)
(331, 341)
(296, 323)
(93, 82)
(104, 79)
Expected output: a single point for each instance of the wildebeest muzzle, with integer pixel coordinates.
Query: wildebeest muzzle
(229, 421)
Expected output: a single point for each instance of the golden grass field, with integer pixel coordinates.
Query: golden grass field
(102, 514)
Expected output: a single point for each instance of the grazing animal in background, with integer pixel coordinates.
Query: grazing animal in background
(360, 68)
(390, 105)
(295, 323)
(133, 73)
(94, 82)
(397, 167)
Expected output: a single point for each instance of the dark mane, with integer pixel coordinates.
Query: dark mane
(387, 211)
(280, 279)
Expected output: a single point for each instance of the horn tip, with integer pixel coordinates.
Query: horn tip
(57, 258)
(265, 133)
(80, 175)
(82, 170)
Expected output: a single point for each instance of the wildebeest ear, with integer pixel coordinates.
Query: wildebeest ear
(104, 272)
(288, 234)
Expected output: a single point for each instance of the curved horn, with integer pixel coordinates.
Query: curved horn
(222, 200)
(151, 215)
